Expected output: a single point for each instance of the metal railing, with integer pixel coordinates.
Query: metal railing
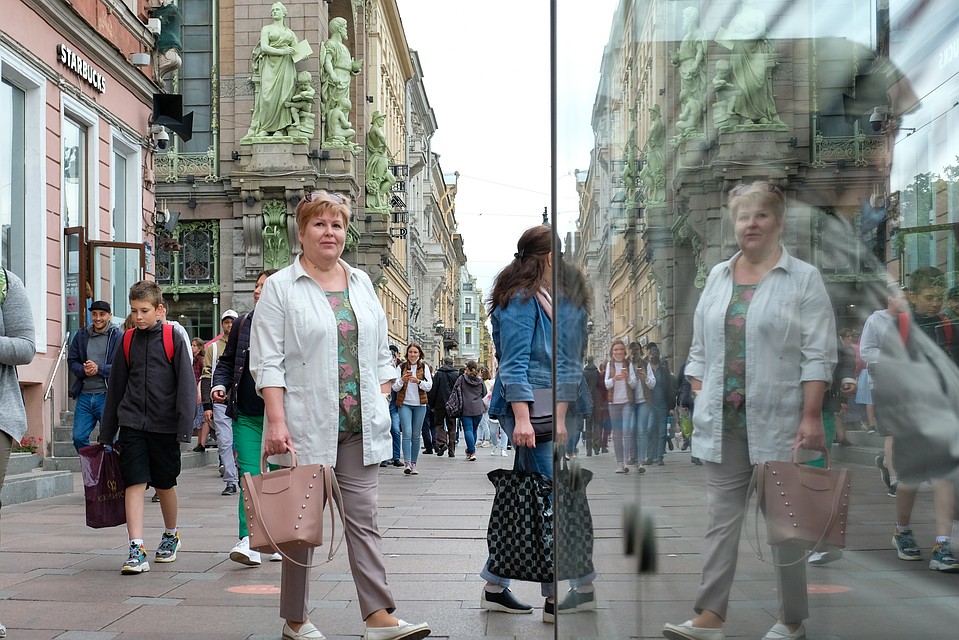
(50, 382)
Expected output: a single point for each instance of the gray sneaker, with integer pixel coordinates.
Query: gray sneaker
(169, 545)
(137, 562)
(906, 545)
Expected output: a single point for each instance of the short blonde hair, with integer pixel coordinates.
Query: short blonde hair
(317, 202)
(761, 192)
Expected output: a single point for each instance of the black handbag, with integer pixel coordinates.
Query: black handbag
(541, 414)
(520, 533)
(574, 523)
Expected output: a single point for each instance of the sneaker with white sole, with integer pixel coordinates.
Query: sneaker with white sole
(242, 553)
(503, 601)
(169, 545)
(825, 557)
(943, 559)
(782, 632)
(136, 562)
(402, 631)
(906, 546)
(276, 557)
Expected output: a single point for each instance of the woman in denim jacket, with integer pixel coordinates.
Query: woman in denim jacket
(521, 311)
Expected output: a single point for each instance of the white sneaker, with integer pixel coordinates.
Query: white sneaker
(243, 554)
(505, 454)
(825, 557)
(494, 451)
(276, 557)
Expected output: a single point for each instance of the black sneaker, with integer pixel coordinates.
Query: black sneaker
(385, 463)
(229, 490)
(574, 601)
(891, 491)
(155, 497)
(504, 602)
(397, 462)
(883, 471)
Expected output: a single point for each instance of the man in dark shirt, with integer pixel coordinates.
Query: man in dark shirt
(443, 381)
(90, 359)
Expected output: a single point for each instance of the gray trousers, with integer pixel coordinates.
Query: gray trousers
(363, 543)
(726, 486)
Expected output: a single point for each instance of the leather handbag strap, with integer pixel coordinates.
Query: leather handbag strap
(757, 483)
(331, 489)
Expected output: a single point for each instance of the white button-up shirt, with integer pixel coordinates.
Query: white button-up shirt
(293, 346)
(790, 339)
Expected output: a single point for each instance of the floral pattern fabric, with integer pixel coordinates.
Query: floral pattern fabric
(734, 366)
(347, 347)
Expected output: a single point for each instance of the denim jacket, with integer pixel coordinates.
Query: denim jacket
(522, 337)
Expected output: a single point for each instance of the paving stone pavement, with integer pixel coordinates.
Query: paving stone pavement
(59, 579)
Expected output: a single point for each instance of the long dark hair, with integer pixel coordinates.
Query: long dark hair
(530, 271)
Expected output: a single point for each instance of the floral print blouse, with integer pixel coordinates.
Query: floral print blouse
(734, 367)
(347, 346)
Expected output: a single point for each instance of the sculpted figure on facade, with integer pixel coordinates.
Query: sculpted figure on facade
(691, 60)
(629, 170)
(276, 247)
(653, 173)
(168, 41)
(723, 92)
(337, 68)
(301, 105)
(275, 80)
(751, 61)
(379, 179)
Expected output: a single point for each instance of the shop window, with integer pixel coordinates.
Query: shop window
(74, 174)
(467, 336)
(12, 197)
(196, 76)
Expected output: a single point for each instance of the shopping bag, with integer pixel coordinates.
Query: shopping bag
(520, 532)
(103, 486)
(574, 534)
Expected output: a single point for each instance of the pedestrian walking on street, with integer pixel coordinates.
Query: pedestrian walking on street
(444, 379)
(232, 379)
(521, 310)
(413, 380)
(321, 361)
(620, 383)
(149, 409)
(215, 410)
(763, 316)
(17, 347)
(473, 390)
(90, 359)
(395, 433)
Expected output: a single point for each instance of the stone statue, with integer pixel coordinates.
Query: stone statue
(724, 92)
(301, 105)
(653, 173)
(691, 60)
(339, 130)
(751, 60)
(168, 42)
(274, 79)
(337, 69)
(379, 179)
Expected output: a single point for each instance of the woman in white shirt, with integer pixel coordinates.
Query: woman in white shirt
(413, 380)
(621, 382)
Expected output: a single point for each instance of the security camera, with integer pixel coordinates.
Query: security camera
(876, 118)
(162, 138)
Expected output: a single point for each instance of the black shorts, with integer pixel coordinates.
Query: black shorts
(147, 457)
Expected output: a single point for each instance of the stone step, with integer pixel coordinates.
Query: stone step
(188, 459)
(36, 484)
(22, 463)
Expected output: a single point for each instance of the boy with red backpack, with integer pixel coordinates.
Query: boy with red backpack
(151, 402)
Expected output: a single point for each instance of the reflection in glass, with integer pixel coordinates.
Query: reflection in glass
(12, 180)
(74, 169)
(850, 109)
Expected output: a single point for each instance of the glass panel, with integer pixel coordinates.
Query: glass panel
(12, 181)
(116, 269)
(847, 109)
(73, 300)
(194, 75)
(196, 312)
(118, 197)
(74, 174)
(196, 256)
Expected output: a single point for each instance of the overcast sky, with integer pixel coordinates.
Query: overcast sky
(486, 73)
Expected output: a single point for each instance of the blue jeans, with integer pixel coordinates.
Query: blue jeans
(469, 432)
(657, 432)
(482, 430)
(395, 432)
(411, 421)
(539, 459)
(644, 448)
(624, 441)
(86, 415)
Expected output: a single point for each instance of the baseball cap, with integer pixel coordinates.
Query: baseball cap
(229, 313)
(100, 305)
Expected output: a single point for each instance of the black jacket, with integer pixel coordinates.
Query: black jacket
(151, 393)
(443, 380)
(231, 369)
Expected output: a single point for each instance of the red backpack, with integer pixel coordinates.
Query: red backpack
(167, 342)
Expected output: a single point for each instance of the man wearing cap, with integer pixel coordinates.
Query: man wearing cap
(215, 412)
(90, 359)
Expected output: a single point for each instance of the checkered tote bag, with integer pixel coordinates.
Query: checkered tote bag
(520, 534)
